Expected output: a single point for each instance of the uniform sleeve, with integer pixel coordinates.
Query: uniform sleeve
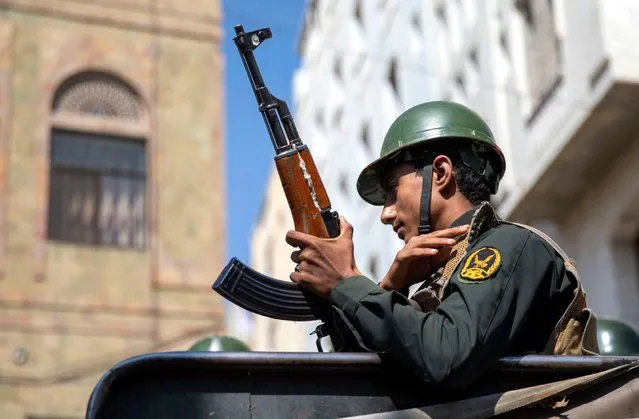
(471, 328)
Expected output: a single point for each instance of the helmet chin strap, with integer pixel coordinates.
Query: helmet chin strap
(424, 209)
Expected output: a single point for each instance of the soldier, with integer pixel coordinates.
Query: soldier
(467, 287)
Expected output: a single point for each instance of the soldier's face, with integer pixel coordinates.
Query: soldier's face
(403, 186)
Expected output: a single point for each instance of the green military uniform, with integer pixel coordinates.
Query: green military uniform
(505, 289)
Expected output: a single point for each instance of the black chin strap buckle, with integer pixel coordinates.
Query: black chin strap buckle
(424, 229)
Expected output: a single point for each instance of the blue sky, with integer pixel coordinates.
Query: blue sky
(249, 154)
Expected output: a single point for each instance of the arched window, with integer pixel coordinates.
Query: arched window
(98, 166)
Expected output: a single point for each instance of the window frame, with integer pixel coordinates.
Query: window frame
(87, 124)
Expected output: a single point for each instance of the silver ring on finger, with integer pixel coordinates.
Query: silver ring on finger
(297, 268)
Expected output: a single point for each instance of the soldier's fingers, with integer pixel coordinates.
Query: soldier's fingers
(298, 273)
(299, 239)
(457, 230)
(432, 242)
(450, 232)
(420, 253)
(302, 279)
(295, 256)
(295, 277)
(346, 229)
(414, 252)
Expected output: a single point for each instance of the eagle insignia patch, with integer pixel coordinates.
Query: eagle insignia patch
(480, 265)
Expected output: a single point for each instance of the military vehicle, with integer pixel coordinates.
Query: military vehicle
(244, 384)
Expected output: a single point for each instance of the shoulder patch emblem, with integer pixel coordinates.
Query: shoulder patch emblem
(480, 265)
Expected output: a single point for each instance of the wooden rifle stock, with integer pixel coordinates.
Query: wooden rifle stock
(306, 195)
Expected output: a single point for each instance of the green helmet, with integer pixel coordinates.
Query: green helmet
(429, 128)
(220, 343)
(616, 338)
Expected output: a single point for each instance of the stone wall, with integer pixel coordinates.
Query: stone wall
(69, 311)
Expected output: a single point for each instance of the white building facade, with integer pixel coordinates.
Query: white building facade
(557, 80)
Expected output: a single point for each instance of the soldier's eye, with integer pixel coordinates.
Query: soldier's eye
(390, 186)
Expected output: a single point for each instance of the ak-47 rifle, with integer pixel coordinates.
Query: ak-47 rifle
(307, 199)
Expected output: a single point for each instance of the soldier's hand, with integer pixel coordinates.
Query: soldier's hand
(419, 256)
(323, 263)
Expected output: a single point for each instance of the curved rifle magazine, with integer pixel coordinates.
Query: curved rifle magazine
(266, 296)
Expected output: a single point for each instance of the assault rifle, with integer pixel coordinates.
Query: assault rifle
(309, 204)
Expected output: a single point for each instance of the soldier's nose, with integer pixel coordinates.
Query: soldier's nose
(388, 215)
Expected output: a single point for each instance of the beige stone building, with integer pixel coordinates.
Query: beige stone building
(111, 190)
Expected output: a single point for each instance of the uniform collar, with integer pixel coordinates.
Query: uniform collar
(481, 218)
(465, 218)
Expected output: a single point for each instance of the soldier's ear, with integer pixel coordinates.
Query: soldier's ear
(443, 177)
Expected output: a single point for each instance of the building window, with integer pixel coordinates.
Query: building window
(97, 185)
(392, 76)
(372, 268)
(337, 118)
(98, 94)
(460, 82)
(358, 11)
(542, 49)
(337, 68)
(416, 20)
(97, 189)
(365, 138)
(319, 118)
(343, 183)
